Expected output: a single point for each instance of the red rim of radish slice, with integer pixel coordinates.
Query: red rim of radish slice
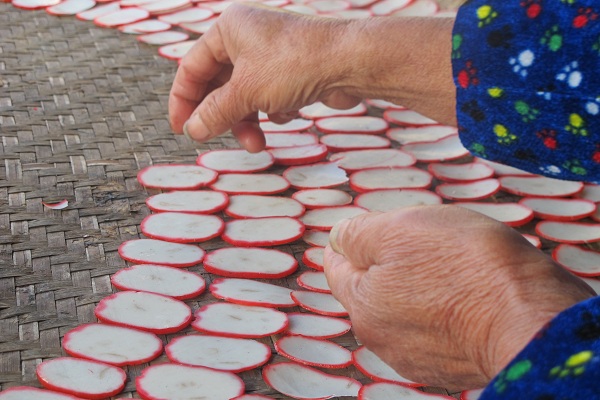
(313, 352)
(248, 262)
(313, 281)
(165, 6)
(235, 320)
(173, 282)
(580, 261)
(125, 309)
(389, 390)
(199, 27)
(251, 184)
(389, 199)
(327, 6)
(278, 140)
(295, 125)
(61, 205)
(512, 214)
(319, 198)
(253, 396)
(590, 192)
(534, 240)
(377, 103)
(461, 172)
(34, 4)
(176, 177)
(445, 149)
(360, 124)
(121, 17)
(319, 110)
(390, 178)
(319, 303)
(147, 26)
(357, 160)
(188, 201)
(259, 232)
(418, 8)
(163, 37)
(28, 392)
(471, 394)
(176, 51)
(317, 326)
(337, 142)
(476, 190)
(315, 176)
(386, 7)
(98, 11)
(235, 161)
(568, 232)
(109, 380)
(559, 209)
(217, 352)
(407, 117)
(159, 382)
(254, 206)
(111, 344)
(182, 227)
(299, 155)
(372, 366)
(503, 170)
(195, 14)
(148, 251)
(313, 258)
(420, 134)
(71, 7)
(325, 218)
(284, 378)
(249, 292)
(539, 186)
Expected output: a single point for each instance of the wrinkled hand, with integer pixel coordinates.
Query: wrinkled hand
(445, 296)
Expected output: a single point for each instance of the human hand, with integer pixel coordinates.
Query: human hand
(444, 295)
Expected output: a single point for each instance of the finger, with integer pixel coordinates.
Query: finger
(340, 101)
(283, 117)
(249, 134)
(343, 278)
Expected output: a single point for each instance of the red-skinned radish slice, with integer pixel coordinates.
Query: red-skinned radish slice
(173, 381)
(146, 311)
(251, 184)
(299, 155)
(361, 124)
(512, 214)
(387, 390)
(559, 209)
(319, 303)
(82, 378)
(353, 161)
(471, 394)
(390, 199)
(176, 51)
(34, 4)
(113, 345)
(420, 134)
(193, 202)
(590, 192)
(253, 206)
(174, 176)
(98, 11)
(418, 8)
(259, 232)
(578, 260)
(386, 7)
(407, 117)
(319, 110)
(325, 218)
(235, 161)
(235, 320)
(313, 258)
(29, 393)
(182, 227)
(593, 283)
(252, 396)
(222, 353)
(121, 17)
(245, 262)
(173, 282)
(317, 385)
(326, 6)
(249, 292)
(165, 6)
(316, 238)
(315, 176)
(71, 7)
(534, 240)
(199, 27)
(476, 190)
(150, 251)
(317, 326)
(461, 172)
(337, 142)
(314, 281)
(164, 37)
(61, 205)
(377, 103)
(314, 352)
(372, 366)
(502, 170)
(448, 148)
(295, 125)
(319, 198)
(539, 186)
(277, 140)
(568, 232)
(147, 26)
(189, 15)
(390, 178)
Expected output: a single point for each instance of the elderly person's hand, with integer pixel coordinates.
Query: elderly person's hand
(444, 295)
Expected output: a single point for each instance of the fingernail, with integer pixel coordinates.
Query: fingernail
(195, 129)
(333, 236)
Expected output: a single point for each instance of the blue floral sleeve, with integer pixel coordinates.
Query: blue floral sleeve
(527, 74)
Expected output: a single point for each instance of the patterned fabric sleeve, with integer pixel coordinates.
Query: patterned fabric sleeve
(527, 74)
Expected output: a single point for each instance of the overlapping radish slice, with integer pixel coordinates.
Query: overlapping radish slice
(71, 7)
(314, 281)
(313, 258)
(317, 326)
(512, 214)
(216, 6)
(407, 118)
(315, 176)
(390, 178)
(182, 227)
(173, 381)
(300, 9)
(235, 160)
(534, 240)
(389, 199)
(164, 37)
(34, 4)
(113, 345)
(319, 110)
(326, 6)
(173, 282)
(176, 51)
(146, 311)
(277, 140)
(295, 125)
(246, 262)
(590, 192)
(189, 15)
(222, 353)
(357, 160)
(193, 202)
(61, 205)
(386, 7)
(578, 260)
(448, 148)
(134, 3)
(150, 251)
(147, 26)
(251, 293)
(387, 390)
(299, 155)
(235, 320)
(314, 352)
(82, 378)
(420, 134)
(199, 27)
(502, 169)
(372, 366)
(252, 396)
(98, 11)
(359, 124)
(418, 8)
(253, 206)
(319, 303)
(174, 176)
(121, 17)
(559, 209)
(269, 231)
(336, 142)
(29, 393)
(251, 184)
(476, 190)
(377, 103)
(165, 6)
(318, 198)
(326, 218)
(593, 283)
(569, 232)
(539, 186)
(471, 394)
(316, 238)
(461, 172)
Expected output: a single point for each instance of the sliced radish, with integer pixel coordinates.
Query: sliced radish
(539, 186)
(253, 396)
(176, 51)
(275, 3)
(471, 394)
(235, 320)
(164, 37)
(300, 9)
(193, 202)
(387, 390)
(419, 134)
(534, 240)
(461, 172)
(71, 7)
(559, 209)
(199, 27)
(28, 393)
(113, 345)
(590, 192)
(299, 155)
(318, 198)
(316, 238)
(448, 148)
(277, 140)
(350, 14)
(173, 176)
(326, 218)
(372, 366)
(319, 303)
(389, 199)
(568, 232)
(353, 161)
(317, 326)
(190, 15)
(222, 353)
(320, 110)
(181, 227)
(269, 231)
(390, 178)
(83, 378)
(578, 260)
(354, 141)
(406, 117)
(418, 8)
(253, 206)
(296, 125)
(146, 311)
(235, 160)
(61, 205)
(98, 11)
(147, 26)
(251, 293)
(360, 124)
(150, 251)
(593, 283)
(173, 282)
(165, 6)
(469, 191)
(378, 103)
(121, 17)
(314, 281)
(314, 352)
(315, 176)
(216, 6)
(512, 214)
(244, 262)
(251, 184)
(34, 4)
(134, 3)
(386, 7)
(325, 6)
(501, 169)
(313, 258)
(301, 382)
(172, 381)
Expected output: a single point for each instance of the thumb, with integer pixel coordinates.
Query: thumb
(342, 277)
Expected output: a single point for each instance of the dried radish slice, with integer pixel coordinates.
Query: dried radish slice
(216, 6)
(469, 191)
(361, 124)
(336, 142)
(590, 192)
(471, 394)
(314, 281)
(318, 198)
(199, 27)
(176, 51)
(448, 148)
(501, 169)
(193, 202)
(173, 282)
(222, 353)
(357, 160)
(173, 176)
(317, 326)
(538, 186)
(251, 293)
(389, 199)
(235, 320)
(316, 238)
(150, 251)
(299, 155)
(322, 175)
(148, 26)
(314, 352)
(326, 218)
(313, 258)
(512, 214)
(165, 6)
(461, 172)
(189, 15)
(578, 260)
(253, 396)
(71, 7)
(270, 231)
(253, 206)
(300, 9)
(319, 303)
(113, 345)
(390, 178)
(320, 110)
(418, 8)
(593, 283)
(372, 366)
(301, 382)
(34, 4)
(61, 205)
(377, 103)
(28, 393)
(559, 209)
(182, 227)
(251, 184)
(244, 262)
(534, 240)
(121, 17)
(146, 311)
(407, 117)
(83, 378)
(386, 7)
(325, 6)
(277, 140)
(420, 134)
(182, 382)
(164, 37)
(99, 11)
(295, 125)
(568, 232)
(235, 161)
(387, 390)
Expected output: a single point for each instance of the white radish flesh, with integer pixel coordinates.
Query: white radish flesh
(578, 260)
(277, 140)
(29, 393)
(569, 232)
(300, 9)
(316, 238)
(471, 394)
(182, 227)
(216, 6)
(150, 251)
(360, 124)
(501, 169)
(559, 209)
(251, 184)
(299, 155)
(448, 148)
(476, 190)
(389, 199)
(251, 293)
(325, 6)
(590, 192)
(164, 37)
(253, 396)
(386, 391)
(250, 263)
(461, 172)
(317, 198)
(336, 142)
(319, 303)
(176, 177)
(313, 352)
(534, 240)
(235, 161)
(148, 26)
(317, 326)
(407, 117)
(512, 214)
(538, 186)
(372, 366)
(296, 125)
(176, 51)
(356, 160)
(165, 6)
(390, 178)
(322, 175)
(121, 17)
(34, 4)
(386, 7)
(98, 11)
(253, 206)
(315, 281)
(418, 8)
(71, 7)
(420, 134)
(320, 110)
(199, 27)
(377, 103)
(189, 15)
(326, 218)
(593, 283)
(313, 258)
(270, 231)
(193, 202)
